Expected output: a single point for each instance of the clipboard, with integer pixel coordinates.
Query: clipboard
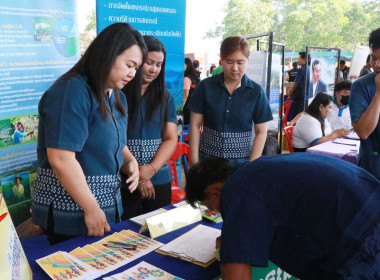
(209, 234)
(185, 258)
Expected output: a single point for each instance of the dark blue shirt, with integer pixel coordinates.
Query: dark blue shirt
(229, 118)
(307, 213)
(145, 138)
(302, 74)
(362, 93)
(70, 119)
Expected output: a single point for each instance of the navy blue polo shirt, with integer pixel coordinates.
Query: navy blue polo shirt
(145, 137)
(307, 213)
(70, 119)
(302, 74)
(228, 119)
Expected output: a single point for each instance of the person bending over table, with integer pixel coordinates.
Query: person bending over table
(229, 105)
(365, 110)
(152, 134)
(82, 139)
(316, 217)
(339, 116)
(312, 128)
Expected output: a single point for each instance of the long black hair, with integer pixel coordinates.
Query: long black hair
(97, 62)
(190, 71)
(156, 92)
(323, 99)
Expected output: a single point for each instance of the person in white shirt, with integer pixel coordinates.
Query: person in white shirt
(340, 113)
(312, 127)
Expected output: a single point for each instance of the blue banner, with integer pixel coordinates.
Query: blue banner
(163, 19)
(39, 41)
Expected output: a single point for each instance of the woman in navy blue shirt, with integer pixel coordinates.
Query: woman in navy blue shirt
(230, 105)
(152, 134)
(82, 139)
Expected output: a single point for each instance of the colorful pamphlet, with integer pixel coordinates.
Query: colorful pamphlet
(145, 271)
(98, 258)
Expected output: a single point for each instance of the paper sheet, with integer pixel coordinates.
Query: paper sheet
(198, 244)
(140, 220)
(345, 141)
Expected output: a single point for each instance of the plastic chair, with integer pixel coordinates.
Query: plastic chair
(289, 135)
(287, 105)
(185, 133)
(183, 151)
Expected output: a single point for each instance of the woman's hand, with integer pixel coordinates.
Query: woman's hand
(146, 189)
(146, 172)
(131, 168)
(96, 221)
(340, 133)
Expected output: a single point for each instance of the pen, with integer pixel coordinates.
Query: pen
(122, 244)
(119, 247)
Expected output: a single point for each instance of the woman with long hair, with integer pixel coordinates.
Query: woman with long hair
(152, 134)
(230, 105)
(83, 137)
(312, 127)
(190, 81)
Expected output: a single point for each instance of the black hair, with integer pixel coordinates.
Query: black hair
(203, 174)
(190, 71)
(97, 62)
(368, 58)
(295, 63)
(303, 56)
(156, 92)
(196, 63)
(313, 108)
(315, 62)
(374, 39)
(346, 84)
(342, 62)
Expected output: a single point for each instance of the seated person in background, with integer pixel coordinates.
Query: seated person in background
(312, 127)
(322, 222)
(366, 68)
(292, 73)
(340, 113)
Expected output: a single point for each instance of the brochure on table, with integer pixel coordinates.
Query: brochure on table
(173, 219)
(13, 262)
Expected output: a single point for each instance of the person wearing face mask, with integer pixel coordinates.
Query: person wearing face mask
(340, 113)
(152, 134)
(312, 127)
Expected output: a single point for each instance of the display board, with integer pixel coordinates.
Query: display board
(163, 19)
(359, 59)
(39, 41)
(13, 262)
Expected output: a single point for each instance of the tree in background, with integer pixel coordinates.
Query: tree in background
(300, 23)
(89, 32)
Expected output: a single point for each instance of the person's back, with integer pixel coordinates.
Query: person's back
(311, 216)
(293, 73)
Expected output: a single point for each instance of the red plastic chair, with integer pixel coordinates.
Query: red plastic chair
(287, 105)
(182, 150)
(289, 135)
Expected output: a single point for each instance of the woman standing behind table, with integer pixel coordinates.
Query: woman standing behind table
(82, 139)
(312, 127)
(190, 82)
(152, 134)
(230, 105)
